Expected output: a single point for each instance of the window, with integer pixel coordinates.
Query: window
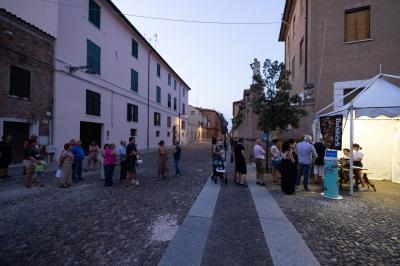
(157, 133)
(183, 125)
(168, 134)
(158, 70)
(175, 103)
(349, 98)
(94, 13)
(301, 51)
(175, 84)
(192, 112)
(169, 100)
(158, 96)
(184, 92)
(169, 79)
(293, 68)
(132, 113)
(134, 80)
(183, 109)
(357, 24)
(168, 121)
(93, 103)
(157, 119)
(20, 82)
(93, 57)
(293, 26)
(135, 50)
(133, 132)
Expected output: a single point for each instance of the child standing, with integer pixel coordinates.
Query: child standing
(40, 167)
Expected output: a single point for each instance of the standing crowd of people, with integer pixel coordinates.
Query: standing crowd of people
(72, 158)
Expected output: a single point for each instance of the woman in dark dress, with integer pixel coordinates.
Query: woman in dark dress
(288, 166)
(240, 164)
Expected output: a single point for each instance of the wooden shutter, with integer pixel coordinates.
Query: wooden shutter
(357, 25)
(94, 13)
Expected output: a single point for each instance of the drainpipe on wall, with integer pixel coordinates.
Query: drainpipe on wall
(179, 114)
(306, 46)
(148, 100)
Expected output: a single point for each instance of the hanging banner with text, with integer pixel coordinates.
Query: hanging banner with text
(331, 130)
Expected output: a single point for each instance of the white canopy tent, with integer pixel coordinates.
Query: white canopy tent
(374, 123)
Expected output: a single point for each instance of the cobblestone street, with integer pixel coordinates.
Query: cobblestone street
(363, 230)
(90, 224)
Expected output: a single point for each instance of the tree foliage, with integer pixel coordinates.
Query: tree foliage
(224, 123)
(275, 107)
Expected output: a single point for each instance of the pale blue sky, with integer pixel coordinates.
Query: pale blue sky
(212, 59)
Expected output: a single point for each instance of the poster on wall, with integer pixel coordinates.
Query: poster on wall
(331, 130)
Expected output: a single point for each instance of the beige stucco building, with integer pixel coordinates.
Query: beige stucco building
(197, 125)
(331, 47)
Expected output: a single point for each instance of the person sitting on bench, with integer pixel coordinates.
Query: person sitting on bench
(357, 161)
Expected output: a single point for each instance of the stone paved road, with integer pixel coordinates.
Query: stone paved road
(235, 236)
(362, 230)
(92, 225)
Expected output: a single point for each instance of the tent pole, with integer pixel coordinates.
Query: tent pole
(351, 150)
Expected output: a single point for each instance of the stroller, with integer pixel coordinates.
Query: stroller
(219, 171)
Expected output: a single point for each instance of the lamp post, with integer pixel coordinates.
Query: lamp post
(73, 69)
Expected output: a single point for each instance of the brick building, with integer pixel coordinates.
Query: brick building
(213, 123)
(331, 47)
(26, 87)
(247, 127)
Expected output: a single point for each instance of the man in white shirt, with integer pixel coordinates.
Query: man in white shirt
(259, 158)
(358, 155)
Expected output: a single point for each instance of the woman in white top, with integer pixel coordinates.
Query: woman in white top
(276, 160)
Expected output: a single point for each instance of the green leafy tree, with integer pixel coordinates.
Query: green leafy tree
(275, 107)
(224, 123)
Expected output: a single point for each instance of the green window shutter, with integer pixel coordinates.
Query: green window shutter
(94, 13)
(129, 112)
(135, 50)
(169, 100)
(158, 70)
(158, 94)
(175, 103)
(93, 56)
(134, 80)
(135, 113)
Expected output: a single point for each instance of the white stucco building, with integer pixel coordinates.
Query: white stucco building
(128, 88)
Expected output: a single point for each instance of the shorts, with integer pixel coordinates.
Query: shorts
(131, 166)
(259, 166)
(275, 164)
(29, 167)
(319, 170)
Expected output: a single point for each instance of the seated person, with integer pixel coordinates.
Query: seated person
(357, 161)
(345, 160)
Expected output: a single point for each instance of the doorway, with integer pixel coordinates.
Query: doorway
(20, 133)
(90, 132)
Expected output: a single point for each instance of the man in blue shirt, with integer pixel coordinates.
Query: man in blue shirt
(122, 160)
(79, 155)
(177, 158)
(305, 152)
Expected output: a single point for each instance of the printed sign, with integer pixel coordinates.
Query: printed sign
(331, 130)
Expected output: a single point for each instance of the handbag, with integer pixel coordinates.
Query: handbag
(58, 173)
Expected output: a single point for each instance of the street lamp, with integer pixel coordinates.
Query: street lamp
(73, 69)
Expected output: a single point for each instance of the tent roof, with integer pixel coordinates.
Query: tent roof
(380, 97)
